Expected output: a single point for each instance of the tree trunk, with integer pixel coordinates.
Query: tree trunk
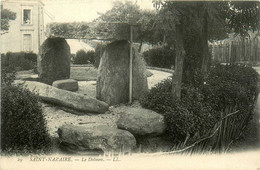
(205, 47)
(179, 58)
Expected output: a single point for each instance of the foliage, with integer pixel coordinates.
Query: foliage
(112, 25)
(19, 61)
(23, 127)
(183, 117)
(108, 25)
(7, 75)
(6, 16)
(203, 102)
(160, 57)
(221, 17)
(230, 85)
(69, 30)
(83, 57)
(203, 21)
(244, 16)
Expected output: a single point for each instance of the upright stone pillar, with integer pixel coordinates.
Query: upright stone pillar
(54, 60)
(113, 74)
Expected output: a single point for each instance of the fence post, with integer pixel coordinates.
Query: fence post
(246, 53)
(229, 52)
(243, 48)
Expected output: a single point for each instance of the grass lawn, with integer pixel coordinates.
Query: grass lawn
(83, 73)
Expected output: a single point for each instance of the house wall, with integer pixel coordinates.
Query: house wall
(13, 40)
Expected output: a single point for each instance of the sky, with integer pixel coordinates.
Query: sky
(81, 10)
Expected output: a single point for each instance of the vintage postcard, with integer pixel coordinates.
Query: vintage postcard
(130, 84)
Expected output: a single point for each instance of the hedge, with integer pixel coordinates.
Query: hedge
(160, 57)
(205, 102)
(19, 60)
(83, 57)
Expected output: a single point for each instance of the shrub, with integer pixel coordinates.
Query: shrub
(160, 57)
(230, 85)
(55, 60)
(20, 60)
(23, 127)
(205, 101)
(98, 54)
(83, 57)
(183, 117)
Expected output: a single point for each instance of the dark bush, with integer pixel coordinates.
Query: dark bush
(230, 85)
(183, 117)
(98, 54)
(203, 102)
(19, 61)
(160, 57)
(55, 60)
(23, 127)
(4, 61)
(83, 57)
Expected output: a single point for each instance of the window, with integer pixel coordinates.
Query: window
(27, 16)
(27, 42)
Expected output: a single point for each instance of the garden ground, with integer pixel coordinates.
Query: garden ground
(86, 76)
(58, 116)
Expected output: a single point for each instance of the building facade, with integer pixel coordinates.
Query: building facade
(26, 32)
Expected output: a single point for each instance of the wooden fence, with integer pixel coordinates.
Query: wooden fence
(240, 50)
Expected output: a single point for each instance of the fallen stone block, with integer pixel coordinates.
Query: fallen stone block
(140, 121)
(66, 98)
(95, 137)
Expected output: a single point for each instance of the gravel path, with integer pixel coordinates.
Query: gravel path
(157, 77)
(57, 117)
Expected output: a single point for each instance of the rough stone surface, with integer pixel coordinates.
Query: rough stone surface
(140, 121)
(67, 84)
(95, 137)
(113, 74)
(66, 98)
(54, 60)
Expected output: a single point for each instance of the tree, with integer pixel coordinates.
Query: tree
(114, 23)
(69, 30)
(189, 24)
(6, 16)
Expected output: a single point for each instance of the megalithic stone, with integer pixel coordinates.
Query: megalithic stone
(66, 98)
(113, 74)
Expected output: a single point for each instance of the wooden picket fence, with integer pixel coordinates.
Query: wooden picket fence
(237, 51)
